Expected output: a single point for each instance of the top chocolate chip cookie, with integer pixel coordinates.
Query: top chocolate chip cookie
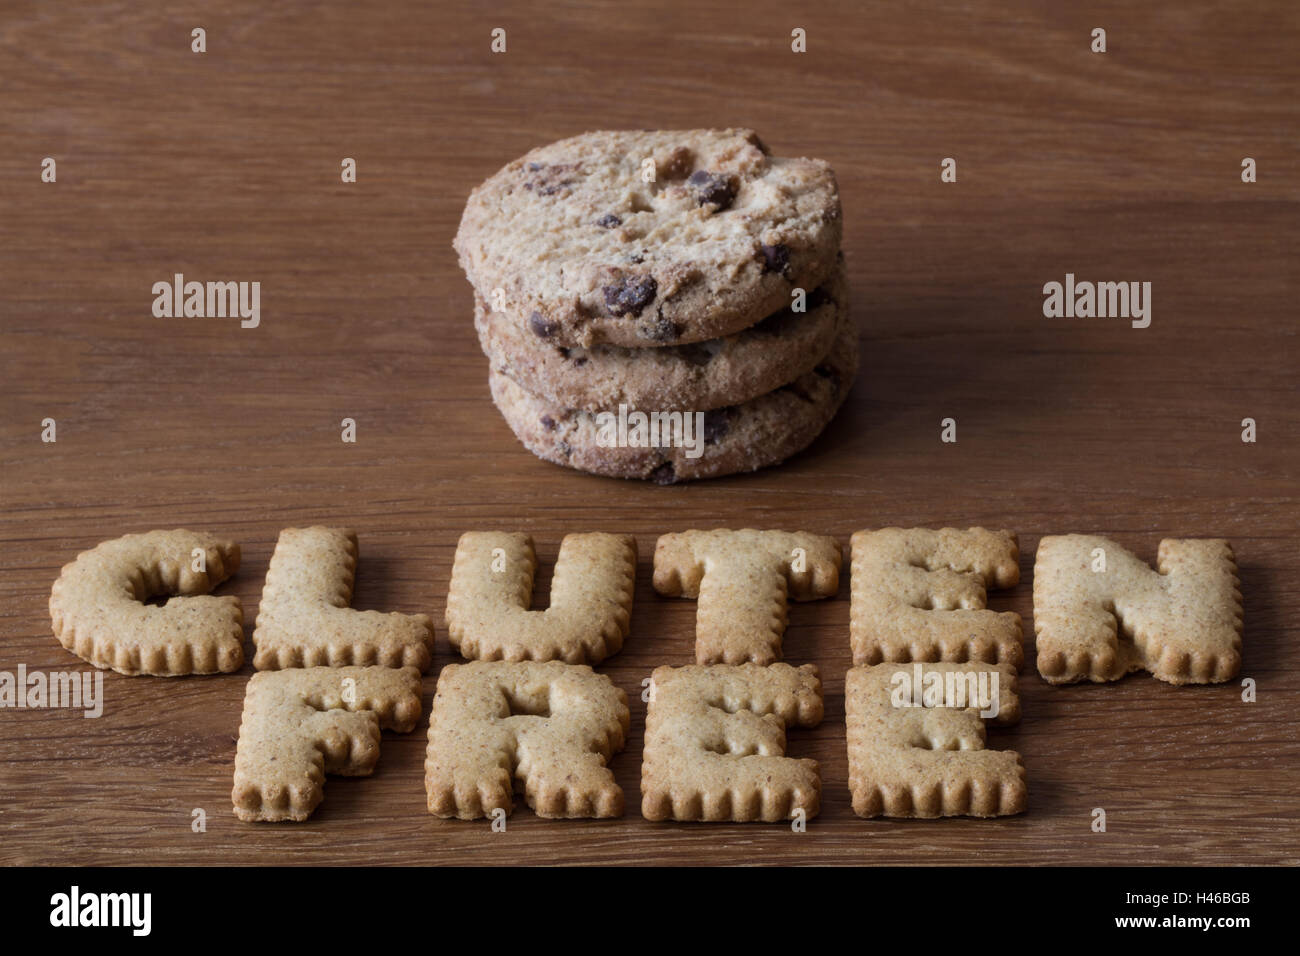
(649, 238)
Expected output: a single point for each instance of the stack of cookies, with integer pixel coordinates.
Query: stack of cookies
(663, 305)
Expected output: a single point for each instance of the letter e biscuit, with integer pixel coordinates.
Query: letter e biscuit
(917, 750)
(920, 595)
(715, 743)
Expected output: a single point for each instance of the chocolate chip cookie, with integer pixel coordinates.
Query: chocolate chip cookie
(649, 238)
(763, 431)
(700, 376)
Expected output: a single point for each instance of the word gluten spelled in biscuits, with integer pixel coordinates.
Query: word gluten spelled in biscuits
(932, 662)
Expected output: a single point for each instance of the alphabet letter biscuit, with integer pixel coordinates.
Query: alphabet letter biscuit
(715, 743)
(488, 614)
(742, 580)
(916, 740)
(1182, 623)
(919, 595)
(552, 726)
(302, 723)
(304, 619)
(97, 608)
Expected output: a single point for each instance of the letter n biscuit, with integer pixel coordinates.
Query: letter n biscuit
(1101, 613)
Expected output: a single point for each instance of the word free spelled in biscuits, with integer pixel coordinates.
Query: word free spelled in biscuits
(932, 663)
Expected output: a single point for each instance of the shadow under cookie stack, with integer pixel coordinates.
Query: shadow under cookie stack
(661, 305)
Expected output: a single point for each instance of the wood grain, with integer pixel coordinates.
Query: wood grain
(225, 165)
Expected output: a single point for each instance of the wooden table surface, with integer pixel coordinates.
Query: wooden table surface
(225, 166)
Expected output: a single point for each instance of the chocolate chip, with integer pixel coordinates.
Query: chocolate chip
(712, 188)
(664, 474)
(660, 330)
(542, 327)
(717, 423)
(549, 423)
(609, 221)
(630, 295)
(776, 258)
(565, 449)
(564, 353)
(580, 361)
(678, 163)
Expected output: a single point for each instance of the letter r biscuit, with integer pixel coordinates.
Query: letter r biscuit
(552, 726)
